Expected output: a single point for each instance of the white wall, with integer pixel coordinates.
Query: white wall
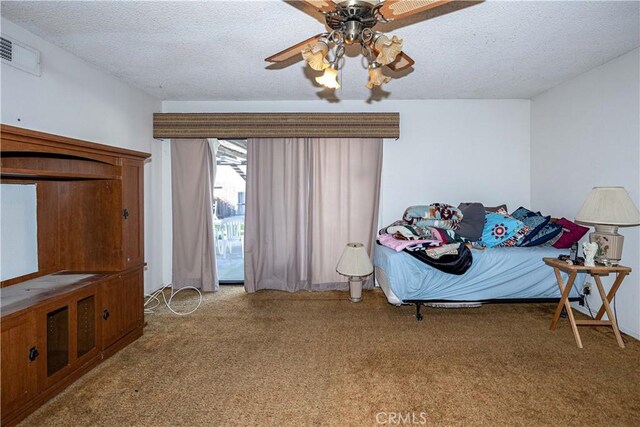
(586, 133)
(74, 99)
(449, 150)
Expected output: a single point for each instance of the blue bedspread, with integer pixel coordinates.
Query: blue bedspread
(496, 273)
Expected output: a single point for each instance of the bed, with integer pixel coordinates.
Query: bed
(496, 275)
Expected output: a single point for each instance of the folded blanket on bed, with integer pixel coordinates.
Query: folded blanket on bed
(436, 253)
(411, 232)
(399, 245)
(439, 215)
(401, 236)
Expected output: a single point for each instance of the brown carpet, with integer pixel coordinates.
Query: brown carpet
(273, 358)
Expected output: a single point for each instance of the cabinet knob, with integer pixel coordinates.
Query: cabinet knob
(33, 354)
(105, 314)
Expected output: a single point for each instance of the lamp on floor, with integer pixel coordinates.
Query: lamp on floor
(608, 208)
(355, 264)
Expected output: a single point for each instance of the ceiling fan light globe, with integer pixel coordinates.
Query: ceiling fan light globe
(376, 78)
(315, 55)
(329, 79)
(388, 49)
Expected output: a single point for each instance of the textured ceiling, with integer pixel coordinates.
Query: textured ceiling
(215, 50)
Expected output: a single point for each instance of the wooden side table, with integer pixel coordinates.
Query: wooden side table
(595, 272)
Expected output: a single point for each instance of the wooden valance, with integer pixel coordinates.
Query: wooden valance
(276, 125)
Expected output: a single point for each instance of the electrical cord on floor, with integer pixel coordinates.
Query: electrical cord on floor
(584, 296)
(155, 298)
(586, 301)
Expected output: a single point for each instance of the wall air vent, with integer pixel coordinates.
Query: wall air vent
(19, 55)
(6, 48)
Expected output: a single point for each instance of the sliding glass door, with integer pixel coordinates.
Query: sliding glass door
(229, 196)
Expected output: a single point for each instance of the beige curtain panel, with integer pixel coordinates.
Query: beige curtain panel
(306, 199)
(193, 169)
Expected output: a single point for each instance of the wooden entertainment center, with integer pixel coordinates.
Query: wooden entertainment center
(85, 302)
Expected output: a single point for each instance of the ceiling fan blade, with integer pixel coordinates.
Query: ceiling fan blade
(321, 5)
(397, 9)
(402, 61)
(292, 51)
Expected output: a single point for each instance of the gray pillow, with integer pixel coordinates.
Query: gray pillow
(495, 208)
(472, 222)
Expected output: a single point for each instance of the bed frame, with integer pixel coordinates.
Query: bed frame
(419, 303)
(377, 277)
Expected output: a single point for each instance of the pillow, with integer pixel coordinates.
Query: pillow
(553, 241)
(516, 238)
(472, 222)
(495, 208)
(438, 215)
(498, 228)
(548, 232)
(572, 233)
(533, 220)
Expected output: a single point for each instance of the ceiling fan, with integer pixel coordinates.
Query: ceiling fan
(352, 22)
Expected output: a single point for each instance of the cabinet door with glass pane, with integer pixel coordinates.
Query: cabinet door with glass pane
(68, 334)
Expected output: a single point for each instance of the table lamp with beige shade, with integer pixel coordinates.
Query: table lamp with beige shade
(608, 208)
(355, 264)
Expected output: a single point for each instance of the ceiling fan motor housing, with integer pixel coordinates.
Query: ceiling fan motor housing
(351, 17)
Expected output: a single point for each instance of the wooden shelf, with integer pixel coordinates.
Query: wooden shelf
(32, 292)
